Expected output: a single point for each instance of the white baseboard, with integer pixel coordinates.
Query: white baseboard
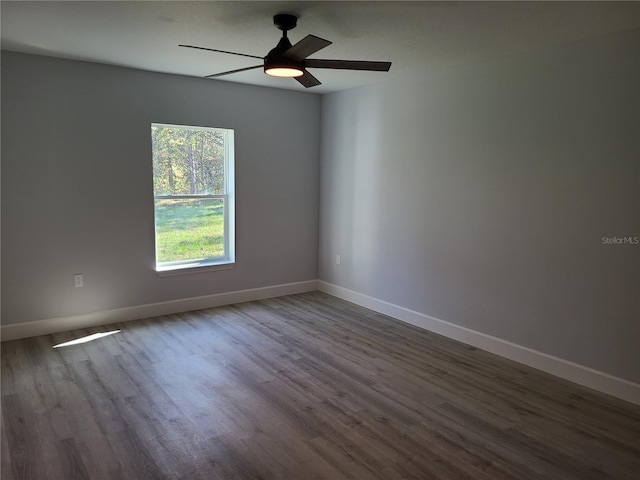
(61, 324)
(559, 367)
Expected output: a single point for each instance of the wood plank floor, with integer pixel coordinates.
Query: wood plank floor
(300, 387)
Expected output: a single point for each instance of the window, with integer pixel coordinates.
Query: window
(193, 196)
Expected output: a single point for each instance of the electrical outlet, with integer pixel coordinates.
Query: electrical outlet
(338, 260)
(78, 281)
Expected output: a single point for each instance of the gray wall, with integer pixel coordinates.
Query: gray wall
(77, 184)
(480, 197)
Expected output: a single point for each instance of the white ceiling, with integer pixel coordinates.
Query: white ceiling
(416, 36)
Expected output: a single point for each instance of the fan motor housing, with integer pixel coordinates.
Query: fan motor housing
(276, 59)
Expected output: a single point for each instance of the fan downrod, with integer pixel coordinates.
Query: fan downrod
(285, 21)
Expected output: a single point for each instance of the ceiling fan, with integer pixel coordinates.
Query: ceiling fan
(286, 60)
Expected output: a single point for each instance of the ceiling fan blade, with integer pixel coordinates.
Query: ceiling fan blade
(220, 51)
(305, 47)
(233, 71)
(348, 65)
(307, 80)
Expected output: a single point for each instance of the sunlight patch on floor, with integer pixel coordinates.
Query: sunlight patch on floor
(86, 339)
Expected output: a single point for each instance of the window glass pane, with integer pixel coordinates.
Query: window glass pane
(189, 229)
(187, 161)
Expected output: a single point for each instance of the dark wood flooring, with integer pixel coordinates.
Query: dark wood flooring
(300, 387)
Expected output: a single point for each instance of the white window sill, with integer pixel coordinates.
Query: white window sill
(187, 268)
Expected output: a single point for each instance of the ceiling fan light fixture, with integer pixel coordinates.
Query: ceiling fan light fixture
(283, 72)
(280, 66)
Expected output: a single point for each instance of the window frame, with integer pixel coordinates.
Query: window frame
(213, 263)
